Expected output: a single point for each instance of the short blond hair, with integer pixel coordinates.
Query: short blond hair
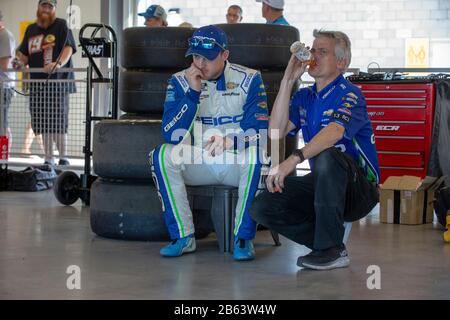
(343, 48)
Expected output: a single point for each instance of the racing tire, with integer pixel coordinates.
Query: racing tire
(161, 47)
(260, 46)
(140, 116)
(272, 82)
(131, 210)
(121, 148)
(143, 91)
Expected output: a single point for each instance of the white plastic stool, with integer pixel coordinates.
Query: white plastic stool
(348, 228)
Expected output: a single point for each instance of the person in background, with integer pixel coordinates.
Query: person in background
(186, 25)
(155, 16)
(49, 44)
(234, 14)
(272, 11)
(7, 46)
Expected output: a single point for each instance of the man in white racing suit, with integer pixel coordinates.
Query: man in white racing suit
(222, 107)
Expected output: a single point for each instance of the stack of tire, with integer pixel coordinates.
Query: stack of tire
(124, 203)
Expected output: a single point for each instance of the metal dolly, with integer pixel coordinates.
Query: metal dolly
(69, 187)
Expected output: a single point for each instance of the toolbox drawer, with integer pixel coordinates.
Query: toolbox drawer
(387, 143)
(399, 113)
(401, 159)
(397, 171)
(399, 128)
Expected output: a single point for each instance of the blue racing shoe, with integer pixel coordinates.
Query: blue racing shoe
(243, 250)
(179, 246)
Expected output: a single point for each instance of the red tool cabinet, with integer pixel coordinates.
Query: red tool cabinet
(402, 120)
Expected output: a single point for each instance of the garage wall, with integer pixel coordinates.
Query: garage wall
(378, 29)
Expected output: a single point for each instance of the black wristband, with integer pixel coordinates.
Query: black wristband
(299, 153)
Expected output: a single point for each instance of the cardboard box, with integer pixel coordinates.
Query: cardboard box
(408, 199)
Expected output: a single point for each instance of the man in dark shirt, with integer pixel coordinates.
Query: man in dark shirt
(49, 44)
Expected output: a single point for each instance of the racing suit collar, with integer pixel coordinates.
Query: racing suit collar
(221, 84)
(325, 92)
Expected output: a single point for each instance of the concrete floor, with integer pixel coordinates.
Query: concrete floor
(39, 239)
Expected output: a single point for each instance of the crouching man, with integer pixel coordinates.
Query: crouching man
(340, 147)
(223, 107)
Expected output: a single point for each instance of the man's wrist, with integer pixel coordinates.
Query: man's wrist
(298, 155)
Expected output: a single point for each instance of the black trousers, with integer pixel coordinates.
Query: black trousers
(312, 209)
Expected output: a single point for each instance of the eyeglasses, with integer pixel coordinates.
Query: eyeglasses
(204, 42)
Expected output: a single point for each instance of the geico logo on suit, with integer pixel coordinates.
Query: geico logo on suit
(212, 121)
(176, 118)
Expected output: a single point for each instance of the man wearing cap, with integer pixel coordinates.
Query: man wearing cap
(223, 107)
(155, 16)
(7, 47)
(272, 11)
(49, 44)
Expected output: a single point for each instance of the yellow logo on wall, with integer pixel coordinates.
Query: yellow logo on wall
(417, 53)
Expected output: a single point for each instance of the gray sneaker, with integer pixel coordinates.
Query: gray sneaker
(336, 257)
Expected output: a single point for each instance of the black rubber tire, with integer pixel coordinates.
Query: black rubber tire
(260, 46)
(132, 211)
(147, 48)
(143, 91)
(121, 148)
(272, 82)
(67, 188)
(141, 116)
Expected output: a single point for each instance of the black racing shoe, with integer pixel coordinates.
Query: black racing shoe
(328, 259)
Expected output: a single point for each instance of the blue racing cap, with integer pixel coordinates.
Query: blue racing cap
(154, 11)
(208, 42)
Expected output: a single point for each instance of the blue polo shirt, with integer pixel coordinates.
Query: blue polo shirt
(281, 20)
(343, 103)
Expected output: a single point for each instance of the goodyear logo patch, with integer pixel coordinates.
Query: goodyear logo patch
(328, 112)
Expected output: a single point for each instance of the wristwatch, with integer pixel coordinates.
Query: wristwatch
(299, 153)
